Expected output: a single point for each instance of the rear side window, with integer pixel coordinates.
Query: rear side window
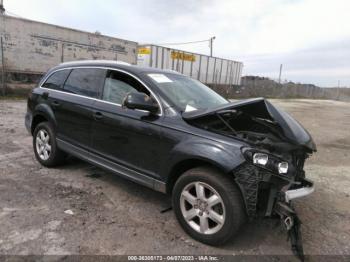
(56, 80)
(85, 81)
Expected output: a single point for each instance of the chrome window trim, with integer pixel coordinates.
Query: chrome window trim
(100, 100)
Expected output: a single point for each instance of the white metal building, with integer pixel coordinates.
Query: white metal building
(209, 70)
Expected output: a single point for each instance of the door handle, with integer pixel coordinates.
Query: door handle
(55, 103)
(98, 115)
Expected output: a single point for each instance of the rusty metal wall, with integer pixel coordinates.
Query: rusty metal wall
(34, 47)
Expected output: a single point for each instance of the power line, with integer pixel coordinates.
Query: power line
(12, 14)
(210, 40)
(185, 43)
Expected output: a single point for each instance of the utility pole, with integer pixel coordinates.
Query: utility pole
(2, 67)
(279, 77)
(2, 12)
(211, 40)
(2, 8)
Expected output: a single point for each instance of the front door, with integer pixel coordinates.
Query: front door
(126, 137)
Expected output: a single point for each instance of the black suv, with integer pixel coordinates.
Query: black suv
(222, 162)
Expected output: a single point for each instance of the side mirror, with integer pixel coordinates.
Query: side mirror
(140, 101)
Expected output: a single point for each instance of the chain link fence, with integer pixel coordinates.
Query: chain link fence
(265, 87)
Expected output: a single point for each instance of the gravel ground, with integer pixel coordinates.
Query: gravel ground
(112, 216)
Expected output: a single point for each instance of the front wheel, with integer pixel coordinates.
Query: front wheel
(208, 205)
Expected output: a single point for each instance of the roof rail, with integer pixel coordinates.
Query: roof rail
(96, 61)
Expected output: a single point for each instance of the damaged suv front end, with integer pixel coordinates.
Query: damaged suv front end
(273, 173)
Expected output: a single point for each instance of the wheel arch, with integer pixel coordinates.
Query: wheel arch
(42, 113)
(181, 167)
(200, 152)
(39, 118)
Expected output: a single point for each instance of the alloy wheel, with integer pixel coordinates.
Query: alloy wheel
(43, 144)
(202, 208)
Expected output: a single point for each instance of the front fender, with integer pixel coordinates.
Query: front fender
(225, 157)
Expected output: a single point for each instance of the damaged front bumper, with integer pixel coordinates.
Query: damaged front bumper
(261, 189)
(305, 188)
(292, 224)
(269, 195)
(290, 218)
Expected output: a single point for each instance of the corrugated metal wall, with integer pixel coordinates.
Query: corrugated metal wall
(209, 70)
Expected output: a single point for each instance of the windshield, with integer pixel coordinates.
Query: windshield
(186, 93)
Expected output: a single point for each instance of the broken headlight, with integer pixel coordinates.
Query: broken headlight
(260, 158)
(267, 161)
(283, 168)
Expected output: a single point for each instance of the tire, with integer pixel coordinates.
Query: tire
(44, 140)
(229, 205)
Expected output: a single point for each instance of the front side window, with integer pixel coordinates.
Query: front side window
(186, 93)
(85, 81)
(118, 85)
(56, 80)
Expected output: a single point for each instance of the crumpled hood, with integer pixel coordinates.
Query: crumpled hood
(261, 108)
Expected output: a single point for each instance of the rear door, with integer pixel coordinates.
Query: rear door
(74, 105)
(54, 96)
(126, 137)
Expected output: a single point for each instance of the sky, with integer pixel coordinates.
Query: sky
(311, 38)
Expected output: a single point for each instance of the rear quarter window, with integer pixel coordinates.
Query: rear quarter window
(85, 81)
(56, 80)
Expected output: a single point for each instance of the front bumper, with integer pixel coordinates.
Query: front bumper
(304, 189)
(284, 209)
(262, 189)
(266, 194)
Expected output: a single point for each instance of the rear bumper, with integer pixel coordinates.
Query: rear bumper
(28, 121)
(304, 189)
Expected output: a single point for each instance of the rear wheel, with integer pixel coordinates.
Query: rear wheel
(45, 147)
(208, 205)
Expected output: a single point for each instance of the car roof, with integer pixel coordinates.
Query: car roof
(113, 64)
